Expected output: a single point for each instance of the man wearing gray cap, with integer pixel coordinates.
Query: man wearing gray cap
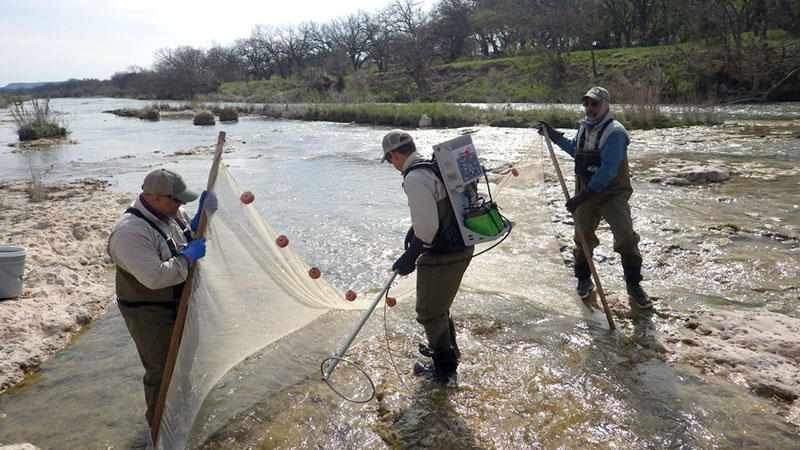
(602, 189)
(434, 244)
(153, 249)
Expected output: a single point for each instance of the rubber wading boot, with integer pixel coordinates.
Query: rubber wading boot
(426, 350)
(584, 287)
(444, 366)
(453, 343)
(639, 296)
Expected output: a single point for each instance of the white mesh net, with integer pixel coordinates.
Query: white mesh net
(248, 294)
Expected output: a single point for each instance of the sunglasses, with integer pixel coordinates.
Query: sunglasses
(592, 103)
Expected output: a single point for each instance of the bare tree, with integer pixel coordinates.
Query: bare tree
(350, 33)
(452, 29)
(378, 40)
(225, 63)
(620, 13)
(257, 57)
(183, 72)
(411, 41)
(294, 46)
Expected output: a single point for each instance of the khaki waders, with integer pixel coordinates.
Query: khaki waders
(611, 205)
(150, 326)
(437, 284)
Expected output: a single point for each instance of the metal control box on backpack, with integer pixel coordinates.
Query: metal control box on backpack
(460, 170)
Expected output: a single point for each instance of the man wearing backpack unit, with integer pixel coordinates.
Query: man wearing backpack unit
(153, 249)
(602, 189)
(434, 244)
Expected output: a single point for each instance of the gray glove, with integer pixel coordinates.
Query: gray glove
(407, 262)
(577, 200)
(409, 237)
(545, 127)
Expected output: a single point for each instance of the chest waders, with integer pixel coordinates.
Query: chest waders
(448, 237)
(588, 160)
(130, 292)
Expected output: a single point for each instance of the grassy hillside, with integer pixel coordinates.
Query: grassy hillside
(689, 73)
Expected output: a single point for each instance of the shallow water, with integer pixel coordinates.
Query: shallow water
(539, 369)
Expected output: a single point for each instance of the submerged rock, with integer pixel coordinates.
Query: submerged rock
(24, 446)
(763, 347)
(425, 121)
(677, 172)
(707, 174)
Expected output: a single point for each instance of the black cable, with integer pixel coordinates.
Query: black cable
(488, 189)
(510, 227)
(505, 221)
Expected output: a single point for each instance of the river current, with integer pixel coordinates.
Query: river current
(539, 372)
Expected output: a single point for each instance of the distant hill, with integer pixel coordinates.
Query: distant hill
(12, 86)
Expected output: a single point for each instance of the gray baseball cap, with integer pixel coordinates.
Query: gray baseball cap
(168, 183)
(598, 93)
(393, 140)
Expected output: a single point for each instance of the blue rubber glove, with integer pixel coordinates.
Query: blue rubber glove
(210, 204)
(576, 201)
(195, 250)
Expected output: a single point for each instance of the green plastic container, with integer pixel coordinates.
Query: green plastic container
(486, 222)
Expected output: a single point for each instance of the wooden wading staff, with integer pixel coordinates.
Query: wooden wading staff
(587, 252)
(180, 319)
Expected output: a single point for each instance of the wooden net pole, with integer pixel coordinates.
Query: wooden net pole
(183, 303)
(587, 252)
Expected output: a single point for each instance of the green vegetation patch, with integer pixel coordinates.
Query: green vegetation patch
(37, 120)
(446, 115)
(204, 118)
(227, 114)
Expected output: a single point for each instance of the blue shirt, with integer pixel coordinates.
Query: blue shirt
(611, 157)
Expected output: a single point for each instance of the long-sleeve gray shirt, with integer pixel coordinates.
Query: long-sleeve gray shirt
(141, 251)
(423, 189)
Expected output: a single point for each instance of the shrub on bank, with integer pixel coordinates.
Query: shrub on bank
(452, 115)
(38, 121)
(228, 114)
(204, 118)
(152, 114)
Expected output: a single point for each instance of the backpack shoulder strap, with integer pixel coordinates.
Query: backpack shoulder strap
(430, 164)
(600, 134)
(170, 242)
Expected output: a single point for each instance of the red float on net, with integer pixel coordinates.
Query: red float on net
(314, 272)
(514, 171)
(391, 301)
(282, 241)
(350, 295)
(247, 197)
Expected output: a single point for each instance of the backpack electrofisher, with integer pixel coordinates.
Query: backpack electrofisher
(478, 220)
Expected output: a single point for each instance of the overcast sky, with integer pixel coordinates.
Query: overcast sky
(54, 40)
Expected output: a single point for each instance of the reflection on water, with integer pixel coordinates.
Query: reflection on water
(539, 369)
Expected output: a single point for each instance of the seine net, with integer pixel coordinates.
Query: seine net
(247, 293)
(253, 300)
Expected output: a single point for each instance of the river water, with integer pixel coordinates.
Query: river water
(540, 370)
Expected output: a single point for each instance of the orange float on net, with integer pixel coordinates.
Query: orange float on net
(350, 295)
(391, 301)
(247, 197)
(314, 272)
(282, 241)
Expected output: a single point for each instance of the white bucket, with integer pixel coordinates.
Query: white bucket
(12, 266)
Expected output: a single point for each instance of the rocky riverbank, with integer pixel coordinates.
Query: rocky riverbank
(66, 272)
